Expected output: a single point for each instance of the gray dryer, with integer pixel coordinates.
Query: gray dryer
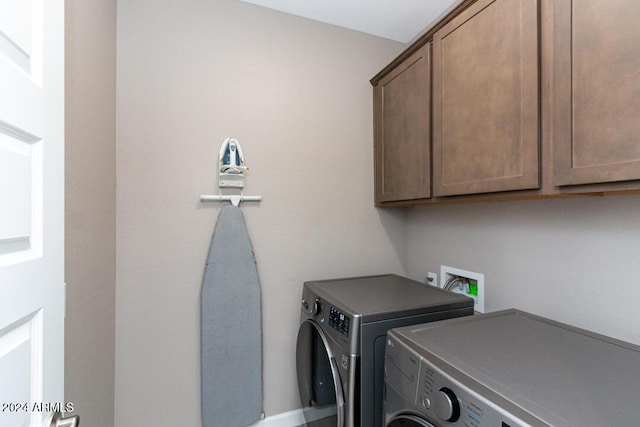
(341, 342)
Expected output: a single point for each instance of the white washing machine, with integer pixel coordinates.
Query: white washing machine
(509, 369)
(341, 342)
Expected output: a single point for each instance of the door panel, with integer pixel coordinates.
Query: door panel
(21, 213)
(21, 35)
(31, 216)
(21, 365)
(485, 99)
(596, 93)
(402, 133)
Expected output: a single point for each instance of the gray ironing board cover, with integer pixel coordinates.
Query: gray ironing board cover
(231, 327)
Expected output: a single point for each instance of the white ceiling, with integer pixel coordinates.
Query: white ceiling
(400, 20)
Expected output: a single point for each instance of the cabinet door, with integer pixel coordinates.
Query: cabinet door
(401, 116)
(596, 91)
(486, 99)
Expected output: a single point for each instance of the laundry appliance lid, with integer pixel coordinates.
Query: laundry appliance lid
(387, 296)
(562, 375)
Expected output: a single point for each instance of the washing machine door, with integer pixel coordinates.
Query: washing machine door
(409, 421)
(318, 378)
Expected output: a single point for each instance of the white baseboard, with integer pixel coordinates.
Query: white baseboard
(293, 418)
(286, 419)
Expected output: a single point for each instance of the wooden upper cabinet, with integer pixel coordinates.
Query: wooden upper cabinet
(486, 99)
(401, 133)
(595, 94)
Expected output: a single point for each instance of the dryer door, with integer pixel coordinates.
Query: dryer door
(318, 378)
(409, 421)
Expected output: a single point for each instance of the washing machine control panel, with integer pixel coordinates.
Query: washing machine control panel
(445, 399)
(339, 321)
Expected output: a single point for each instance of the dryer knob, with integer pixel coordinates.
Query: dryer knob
(446, 405)
(317, 307)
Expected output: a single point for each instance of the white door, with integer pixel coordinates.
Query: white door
(31, 211)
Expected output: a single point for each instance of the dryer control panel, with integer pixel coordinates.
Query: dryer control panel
(338, 325)
(339, 321)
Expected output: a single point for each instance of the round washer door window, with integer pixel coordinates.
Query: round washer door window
(409, 421)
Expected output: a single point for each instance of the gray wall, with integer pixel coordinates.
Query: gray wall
(296, 95)
(573, 260)
(90, 198)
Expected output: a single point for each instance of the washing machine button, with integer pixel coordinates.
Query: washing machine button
(426, 403)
